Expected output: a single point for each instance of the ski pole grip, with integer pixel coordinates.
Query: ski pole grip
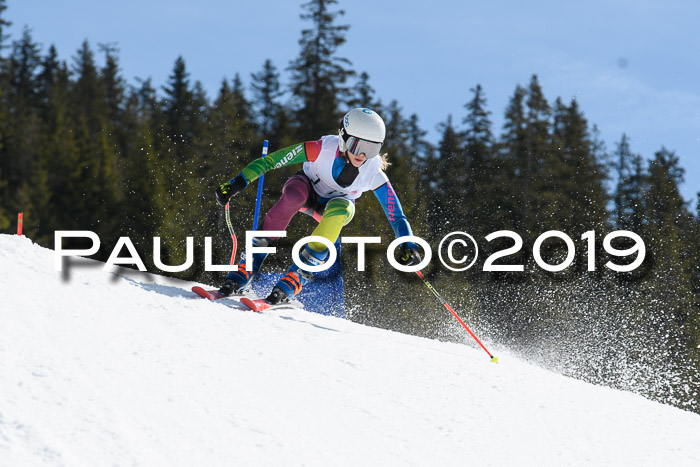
(20, 217)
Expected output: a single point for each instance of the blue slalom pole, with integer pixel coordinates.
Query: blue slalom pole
(260, 188)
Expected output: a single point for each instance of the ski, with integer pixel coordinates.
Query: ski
(211, 294)
(256, 305)
(261, 304)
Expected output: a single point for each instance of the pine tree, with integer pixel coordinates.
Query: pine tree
(694, 259)
(222, 131)
(246, 128)
(266, 95)
(96, 199)
(423, 155)
(23, 129)
(693, 244)
(421, 148)
(152, 112)
(629, 211)
(404, 166)
(112, 82)
(450, 179)
(233, 131)
(178, 110)
(23, 64)
(318, 74)
(48, 77)
(4, 212)
(88, 90)
(666, 236)
(117, 137)
(478, 132)
(665, 176)
(4, 24)
(579, 175)
(184, 158)
(362, 93)
(4, 118)
(143, 206)
(200, 103)
(538, 194)
(478, 150)
(58, 147)
(513, 163)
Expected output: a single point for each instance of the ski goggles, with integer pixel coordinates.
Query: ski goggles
(358, 146)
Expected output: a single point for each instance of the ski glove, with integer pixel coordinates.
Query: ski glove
(409, 256)
(226, 190)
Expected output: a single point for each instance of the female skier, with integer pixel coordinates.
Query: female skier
(336, 171)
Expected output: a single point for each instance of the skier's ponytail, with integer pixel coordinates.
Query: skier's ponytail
(385, 161)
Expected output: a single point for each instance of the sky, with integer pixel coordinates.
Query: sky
(633, 66)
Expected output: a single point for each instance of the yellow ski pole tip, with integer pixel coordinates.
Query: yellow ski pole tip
(494, 359)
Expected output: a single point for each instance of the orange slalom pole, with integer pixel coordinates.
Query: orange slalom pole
(20, 218)
(444, 302)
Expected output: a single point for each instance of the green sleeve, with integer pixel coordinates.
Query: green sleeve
(295, 154)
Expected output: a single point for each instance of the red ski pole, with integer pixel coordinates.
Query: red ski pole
(20, 218)
(442, 300)
(233, 235)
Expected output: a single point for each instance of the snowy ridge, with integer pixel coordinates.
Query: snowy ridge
(127, 369)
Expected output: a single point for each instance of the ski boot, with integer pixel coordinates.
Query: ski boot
(294, 280)
(237, 282)
(277, 296)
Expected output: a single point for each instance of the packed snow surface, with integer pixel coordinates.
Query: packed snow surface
(114, 368)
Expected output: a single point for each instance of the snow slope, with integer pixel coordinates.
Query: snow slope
(127, 369)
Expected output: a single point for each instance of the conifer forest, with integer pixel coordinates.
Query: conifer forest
(83, 149)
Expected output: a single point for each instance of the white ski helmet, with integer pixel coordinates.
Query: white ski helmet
(363, 131)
